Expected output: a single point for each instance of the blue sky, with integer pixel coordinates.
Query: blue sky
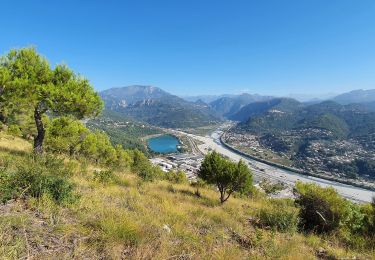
(191, 47)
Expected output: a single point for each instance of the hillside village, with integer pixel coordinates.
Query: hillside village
(319, 156)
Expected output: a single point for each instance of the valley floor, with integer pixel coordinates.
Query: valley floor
(262, 171)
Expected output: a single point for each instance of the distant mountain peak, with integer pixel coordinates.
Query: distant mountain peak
(155, 106)
(230, 105)
(200, 102)
(356, 96)
(133, 89)
(274, 105)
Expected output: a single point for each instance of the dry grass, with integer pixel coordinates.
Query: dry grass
(131, 219)
(13, 145)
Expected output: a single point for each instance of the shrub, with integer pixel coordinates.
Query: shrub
(143, 168)
(104, 176)
(279, 215)
(65, 135)
(321, 209)
(97, 147)
(198, 184)
(14, 130)
(29, 178)
(124, 158)
(369, 218)
(176, 177)
(270, 188)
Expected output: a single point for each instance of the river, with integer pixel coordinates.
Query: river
(261, 170)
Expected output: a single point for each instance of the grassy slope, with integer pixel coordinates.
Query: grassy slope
(130, 218)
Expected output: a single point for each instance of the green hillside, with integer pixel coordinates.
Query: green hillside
(341, 121)
(124, 131)
(116, 214)
(286, 105)
(315, 137)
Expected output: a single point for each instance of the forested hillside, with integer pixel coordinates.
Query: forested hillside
(314, 137)
(259, 108)
(284, 114)
(126, 132)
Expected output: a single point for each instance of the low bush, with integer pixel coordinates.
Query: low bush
(104, 176)
(14, 130)
(368, 227)
(65, 135)
(143, 168)
(279, 215)
(270, 188)
(322, 209)
(33, 178)
(198, 184)
(176, 176)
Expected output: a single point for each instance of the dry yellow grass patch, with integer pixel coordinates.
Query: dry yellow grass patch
(9, 144)
(132, 219)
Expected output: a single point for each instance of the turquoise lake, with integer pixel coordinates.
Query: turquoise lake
(163, 144)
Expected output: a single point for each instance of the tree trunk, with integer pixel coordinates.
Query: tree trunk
(222, 195)
(38, 141)
(3, 118)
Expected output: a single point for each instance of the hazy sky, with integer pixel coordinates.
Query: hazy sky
(203, 46)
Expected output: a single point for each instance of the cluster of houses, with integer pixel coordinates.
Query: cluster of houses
(188, 163)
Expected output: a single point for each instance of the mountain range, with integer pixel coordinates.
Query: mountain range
(230, 105)
(281, 105)
(205, 98)
(157, 107)
(288, 114)
(327, 137)
(356, 96)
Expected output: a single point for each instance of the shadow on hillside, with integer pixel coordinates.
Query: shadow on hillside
(204, 200)
(14, 152)
(189, 193)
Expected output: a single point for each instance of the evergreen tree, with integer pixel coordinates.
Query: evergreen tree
(228, 176)
(32, 83)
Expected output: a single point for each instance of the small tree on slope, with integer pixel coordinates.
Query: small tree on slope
(228, 176)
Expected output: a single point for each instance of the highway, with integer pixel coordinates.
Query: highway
(264, 171)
